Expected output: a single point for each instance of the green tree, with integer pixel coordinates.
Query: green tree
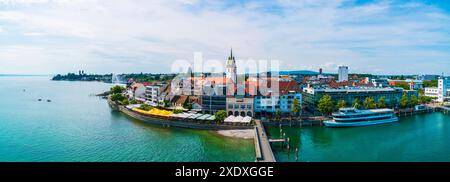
(188, 105)
(341, 104)
(413, 101)
(381, 102)
(117, 89)
(177, 111)
(369, 103)
(220, 116)
(404, 101)
(278, 115)
(296, 108)
(404, 86)
(430, 83)
(425, 99)
(325, 105)
(145, 107)
(117, 97)
(125, 102)
(356, 103)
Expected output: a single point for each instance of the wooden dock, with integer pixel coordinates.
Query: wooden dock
(263, 149)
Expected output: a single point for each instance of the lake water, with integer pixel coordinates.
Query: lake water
(78, 127)
(419, 138)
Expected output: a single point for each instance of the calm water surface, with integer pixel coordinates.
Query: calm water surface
(424, 137)
(79, 127)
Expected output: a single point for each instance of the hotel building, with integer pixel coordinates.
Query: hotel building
(311, 96)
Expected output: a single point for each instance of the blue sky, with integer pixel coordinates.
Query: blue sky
(104, 36)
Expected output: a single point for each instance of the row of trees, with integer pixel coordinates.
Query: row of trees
(414, 100)
(326, 105)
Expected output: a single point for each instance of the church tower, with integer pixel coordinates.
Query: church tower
(231, 68)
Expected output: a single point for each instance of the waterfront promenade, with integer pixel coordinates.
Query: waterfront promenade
(262, 144)
(172, 122)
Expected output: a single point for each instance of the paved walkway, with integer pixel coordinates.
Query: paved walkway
(264, 144)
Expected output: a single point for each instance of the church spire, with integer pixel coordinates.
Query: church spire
(231, 52)
(231, 67)
(231, 55)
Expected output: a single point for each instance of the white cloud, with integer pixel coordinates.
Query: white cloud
(145, 36)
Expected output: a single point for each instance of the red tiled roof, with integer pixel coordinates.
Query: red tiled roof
(284, 87)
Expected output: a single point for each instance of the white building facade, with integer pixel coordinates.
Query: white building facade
(152, 93)
(270, 104)
(431, 92)
(343, 73)
(443, 89)
(240, 106)
(442, 92)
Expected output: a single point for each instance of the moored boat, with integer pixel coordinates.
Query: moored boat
(351, 117)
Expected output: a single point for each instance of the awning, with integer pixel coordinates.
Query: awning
(247, 119)
(182, 115)
(229, 119)
(238, 119)
(133, 106)
(204, 117)
(211, 118)
(195, 116)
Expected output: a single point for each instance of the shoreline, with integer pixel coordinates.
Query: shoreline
(180, 123)
(246, 134)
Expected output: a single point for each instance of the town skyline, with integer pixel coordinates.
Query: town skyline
(376, 37)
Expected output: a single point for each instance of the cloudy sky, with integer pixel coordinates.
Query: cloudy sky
(105, 36)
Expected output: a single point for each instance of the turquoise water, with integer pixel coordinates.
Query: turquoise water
(419, 138)
(79, 127)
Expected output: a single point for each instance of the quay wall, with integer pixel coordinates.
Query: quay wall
(175, 123)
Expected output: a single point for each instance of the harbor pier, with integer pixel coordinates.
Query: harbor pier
(263, 149)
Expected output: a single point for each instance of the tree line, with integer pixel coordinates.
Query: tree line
(326, 105)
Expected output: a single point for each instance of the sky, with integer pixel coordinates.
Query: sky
(118, 36)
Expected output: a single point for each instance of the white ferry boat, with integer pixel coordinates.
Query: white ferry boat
(349, 117)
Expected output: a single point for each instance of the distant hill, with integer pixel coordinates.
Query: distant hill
(299, 72)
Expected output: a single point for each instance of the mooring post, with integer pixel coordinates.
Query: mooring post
(296, 154)
(288, 143)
